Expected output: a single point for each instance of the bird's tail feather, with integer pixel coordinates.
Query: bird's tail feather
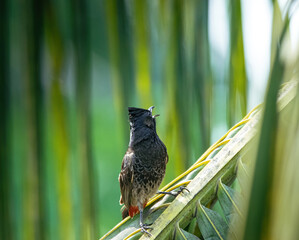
(125, 212)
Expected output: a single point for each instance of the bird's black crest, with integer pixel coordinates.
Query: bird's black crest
(137, 112)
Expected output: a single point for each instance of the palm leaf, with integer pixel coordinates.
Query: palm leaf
(234, 145)
(210, 223)
(181, 234)
(237, 99)
(277, 142)
(229, 199)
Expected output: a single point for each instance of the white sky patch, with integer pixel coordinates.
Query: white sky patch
(218, 27)
(294, 27)
(257, 29)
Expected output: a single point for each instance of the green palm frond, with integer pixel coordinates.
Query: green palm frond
(222, 161)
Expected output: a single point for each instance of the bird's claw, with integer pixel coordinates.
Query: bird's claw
(147, 225)
(175, 193)
(144, 228)
(182, 188)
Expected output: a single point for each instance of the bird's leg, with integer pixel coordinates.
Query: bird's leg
(175, 193)
(143, 226)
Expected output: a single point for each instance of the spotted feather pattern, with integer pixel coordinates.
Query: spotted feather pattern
(143, 169)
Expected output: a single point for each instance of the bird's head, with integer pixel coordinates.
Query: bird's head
(142, 118)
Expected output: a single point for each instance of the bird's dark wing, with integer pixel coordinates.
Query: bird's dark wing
(126, 178)
(165, 149)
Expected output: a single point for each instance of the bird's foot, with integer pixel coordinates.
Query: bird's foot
(175, 193)
(144, 228)
(182, 188)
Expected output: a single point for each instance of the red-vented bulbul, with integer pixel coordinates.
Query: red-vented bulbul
(143, 166)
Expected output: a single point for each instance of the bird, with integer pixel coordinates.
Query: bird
(143, 165)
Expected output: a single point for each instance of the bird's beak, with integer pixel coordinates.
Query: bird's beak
(157, 115)
(151, 108)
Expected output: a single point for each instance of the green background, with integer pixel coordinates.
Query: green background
(69, 71)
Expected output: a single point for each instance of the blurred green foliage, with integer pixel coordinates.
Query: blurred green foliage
(69, 70)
